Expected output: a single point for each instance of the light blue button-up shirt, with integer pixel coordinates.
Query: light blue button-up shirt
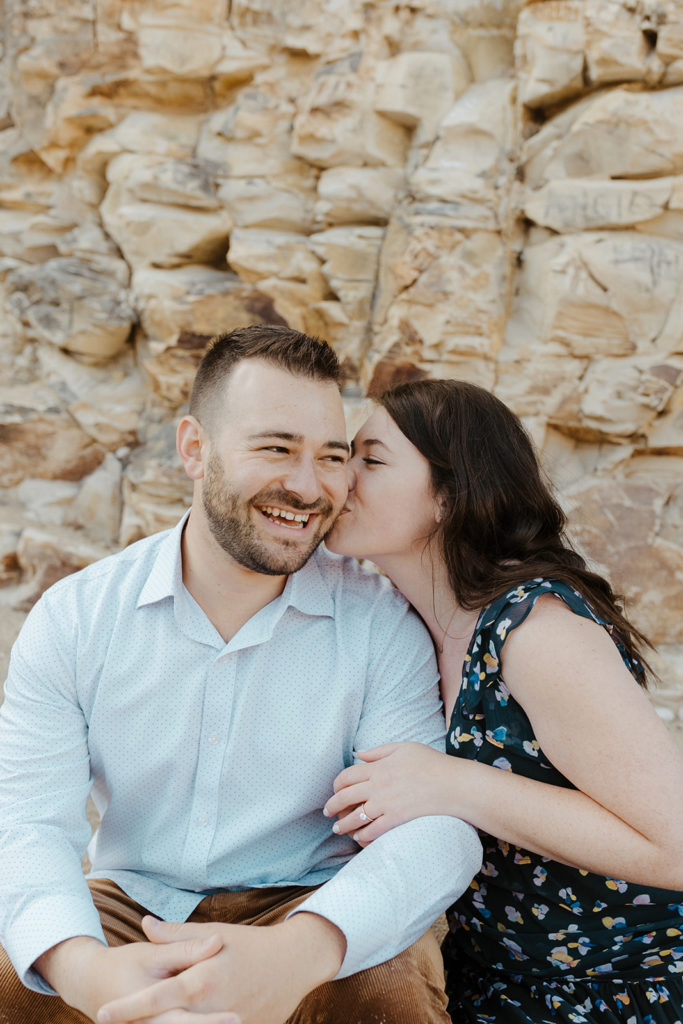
(210, 762)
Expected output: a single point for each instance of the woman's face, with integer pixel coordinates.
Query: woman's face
(391, 509)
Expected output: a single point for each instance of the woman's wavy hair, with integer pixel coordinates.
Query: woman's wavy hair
(501, 525)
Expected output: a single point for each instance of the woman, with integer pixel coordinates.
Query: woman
(556, 754)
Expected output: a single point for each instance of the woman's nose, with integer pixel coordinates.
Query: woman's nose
(351, 475)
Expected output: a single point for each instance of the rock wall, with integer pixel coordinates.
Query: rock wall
(476, 188)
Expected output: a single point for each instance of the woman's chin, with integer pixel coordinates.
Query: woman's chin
(338, 543)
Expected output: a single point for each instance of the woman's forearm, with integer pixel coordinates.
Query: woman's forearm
(563, 824)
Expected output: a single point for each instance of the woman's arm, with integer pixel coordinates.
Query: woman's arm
(594, 723)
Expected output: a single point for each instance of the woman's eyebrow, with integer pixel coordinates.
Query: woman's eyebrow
(373, 440)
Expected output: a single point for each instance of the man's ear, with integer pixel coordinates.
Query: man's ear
(190, 442)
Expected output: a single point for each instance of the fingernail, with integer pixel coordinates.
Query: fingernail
(355, 837)
(326, 812)
(103, 1017)
(335, 827)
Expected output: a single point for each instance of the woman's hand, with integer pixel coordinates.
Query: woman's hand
(396, 782)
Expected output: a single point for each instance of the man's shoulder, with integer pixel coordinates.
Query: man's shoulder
(134, 560)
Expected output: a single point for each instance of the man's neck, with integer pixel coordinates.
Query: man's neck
(228, 594)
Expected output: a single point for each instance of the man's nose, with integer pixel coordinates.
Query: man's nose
(302, 478)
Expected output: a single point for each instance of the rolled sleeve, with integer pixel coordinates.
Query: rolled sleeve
(389, 894)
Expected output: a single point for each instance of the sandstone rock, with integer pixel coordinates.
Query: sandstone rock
(152, 232)
(551, 41)
(38, 438)
(336, 122)
(149, 178)
(111, 413)
(610, 293)
(616, 524)
(621, 133)
(171, 45)
(10, 570)
(46, 556)
(156, 490)
(666, 433)
(251, 138)
(618, 397)
(98, 504)
(547, 378)
(620, 44)
(351, 195)
(413, 241)
(193, 301)
(72, 115)
(468, 163)
(350, 258)
(256, 254)
(308, 27)
(76, 305)
(583, 204)
(417, 89)
(455, 308)
(47, 502)
(283, 204)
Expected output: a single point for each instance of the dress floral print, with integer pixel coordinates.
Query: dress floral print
(533, 940)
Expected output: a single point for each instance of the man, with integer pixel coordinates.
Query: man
(209, 683)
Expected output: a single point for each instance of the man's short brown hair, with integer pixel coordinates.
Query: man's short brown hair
(291, 350)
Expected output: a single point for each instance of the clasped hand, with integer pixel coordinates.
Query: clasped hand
(395, 783)
(228, 987)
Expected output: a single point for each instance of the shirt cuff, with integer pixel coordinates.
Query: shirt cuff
(389, 894)
(41, 924)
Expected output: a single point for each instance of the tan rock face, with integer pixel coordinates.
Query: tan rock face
(489, 190)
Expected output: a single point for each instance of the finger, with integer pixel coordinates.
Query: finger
(154, 1000)
(358, 819)
(177, 956)
(174, 931)
(187, 1017)
(372, 831)
(350, 776)
(346, 798)
(377, 753)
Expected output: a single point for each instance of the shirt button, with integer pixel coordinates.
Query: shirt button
(212, 740)
(202, 820)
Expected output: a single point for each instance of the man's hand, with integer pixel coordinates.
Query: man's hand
(87, 973)
(261, 973)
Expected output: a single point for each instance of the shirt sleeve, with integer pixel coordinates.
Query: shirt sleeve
(44, 785)
(388, 894)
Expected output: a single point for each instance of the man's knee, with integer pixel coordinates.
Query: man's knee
(406, 990)
(20, 1005)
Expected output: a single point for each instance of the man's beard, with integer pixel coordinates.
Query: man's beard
(229, 519)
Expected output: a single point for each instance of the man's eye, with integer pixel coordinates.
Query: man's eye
(275, 448)
(340, 459)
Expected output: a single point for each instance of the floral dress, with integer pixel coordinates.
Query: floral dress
(533, 940)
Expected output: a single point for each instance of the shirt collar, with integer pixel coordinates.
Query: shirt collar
(306, 590)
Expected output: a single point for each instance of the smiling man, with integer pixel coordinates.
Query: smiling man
(207, 684)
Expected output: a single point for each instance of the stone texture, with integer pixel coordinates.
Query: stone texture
(487, 189)
(78, 305)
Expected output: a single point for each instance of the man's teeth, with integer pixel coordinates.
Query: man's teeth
(296, 517)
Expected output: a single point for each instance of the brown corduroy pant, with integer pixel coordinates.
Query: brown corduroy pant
(406, 990)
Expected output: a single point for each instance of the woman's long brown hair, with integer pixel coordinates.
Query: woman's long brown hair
(501, 524)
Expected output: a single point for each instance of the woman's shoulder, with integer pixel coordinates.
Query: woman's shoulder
(510, 609)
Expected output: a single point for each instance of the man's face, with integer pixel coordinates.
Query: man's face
(274, 468)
